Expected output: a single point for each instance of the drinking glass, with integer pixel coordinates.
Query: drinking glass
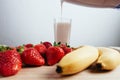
(62, 30)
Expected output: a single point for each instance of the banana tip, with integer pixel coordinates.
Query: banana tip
(59, 69)
(99, 66)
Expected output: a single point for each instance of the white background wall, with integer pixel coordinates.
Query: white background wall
(31, 21)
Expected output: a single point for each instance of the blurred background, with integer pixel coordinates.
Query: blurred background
(31, 21)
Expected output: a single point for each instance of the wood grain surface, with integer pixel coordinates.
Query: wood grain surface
(48, 73)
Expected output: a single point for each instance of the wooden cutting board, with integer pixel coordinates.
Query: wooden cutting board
(48, 73)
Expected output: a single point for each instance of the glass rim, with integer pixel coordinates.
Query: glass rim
(62, 19)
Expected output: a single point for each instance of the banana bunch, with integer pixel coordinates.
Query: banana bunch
(77, 60)
(84, 56)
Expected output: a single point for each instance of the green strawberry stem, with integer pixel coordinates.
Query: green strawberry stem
(67, 45)
(4, 48)
(20, 49)
(58, 44)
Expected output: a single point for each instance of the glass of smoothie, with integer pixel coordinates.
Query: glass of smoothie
(62, 30)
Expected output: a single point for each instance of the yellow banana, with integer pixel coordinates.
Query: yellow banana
(109, 58)
(77, 60)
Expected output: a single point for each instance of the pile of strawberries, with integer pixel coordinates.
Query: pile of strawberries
(12, 59)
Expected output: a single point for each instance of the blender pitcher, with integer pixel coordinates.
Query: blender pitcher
(96, 3)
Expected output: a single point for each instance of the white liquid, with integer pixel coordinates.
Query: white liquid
(61, 6)
(62, 32)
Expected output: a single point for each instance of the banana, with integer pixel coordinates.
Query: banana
(109, 59)
(77, 60)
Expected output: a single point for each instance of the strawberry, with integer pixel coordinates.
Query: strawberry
(54, 55)
(40, 48)
(47, 44)
(66, 48)
(28, 45)
(32, 57)
(10, 61)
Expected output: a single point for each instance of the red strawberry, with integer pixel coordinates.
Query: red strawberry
(10, 62)
(40, 48)
(32, 57)
(47, 44)
(28, 45)
(66, 48)
(54, 55)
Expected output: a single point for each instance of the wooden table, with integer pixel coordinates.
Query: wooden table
(48, 73)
